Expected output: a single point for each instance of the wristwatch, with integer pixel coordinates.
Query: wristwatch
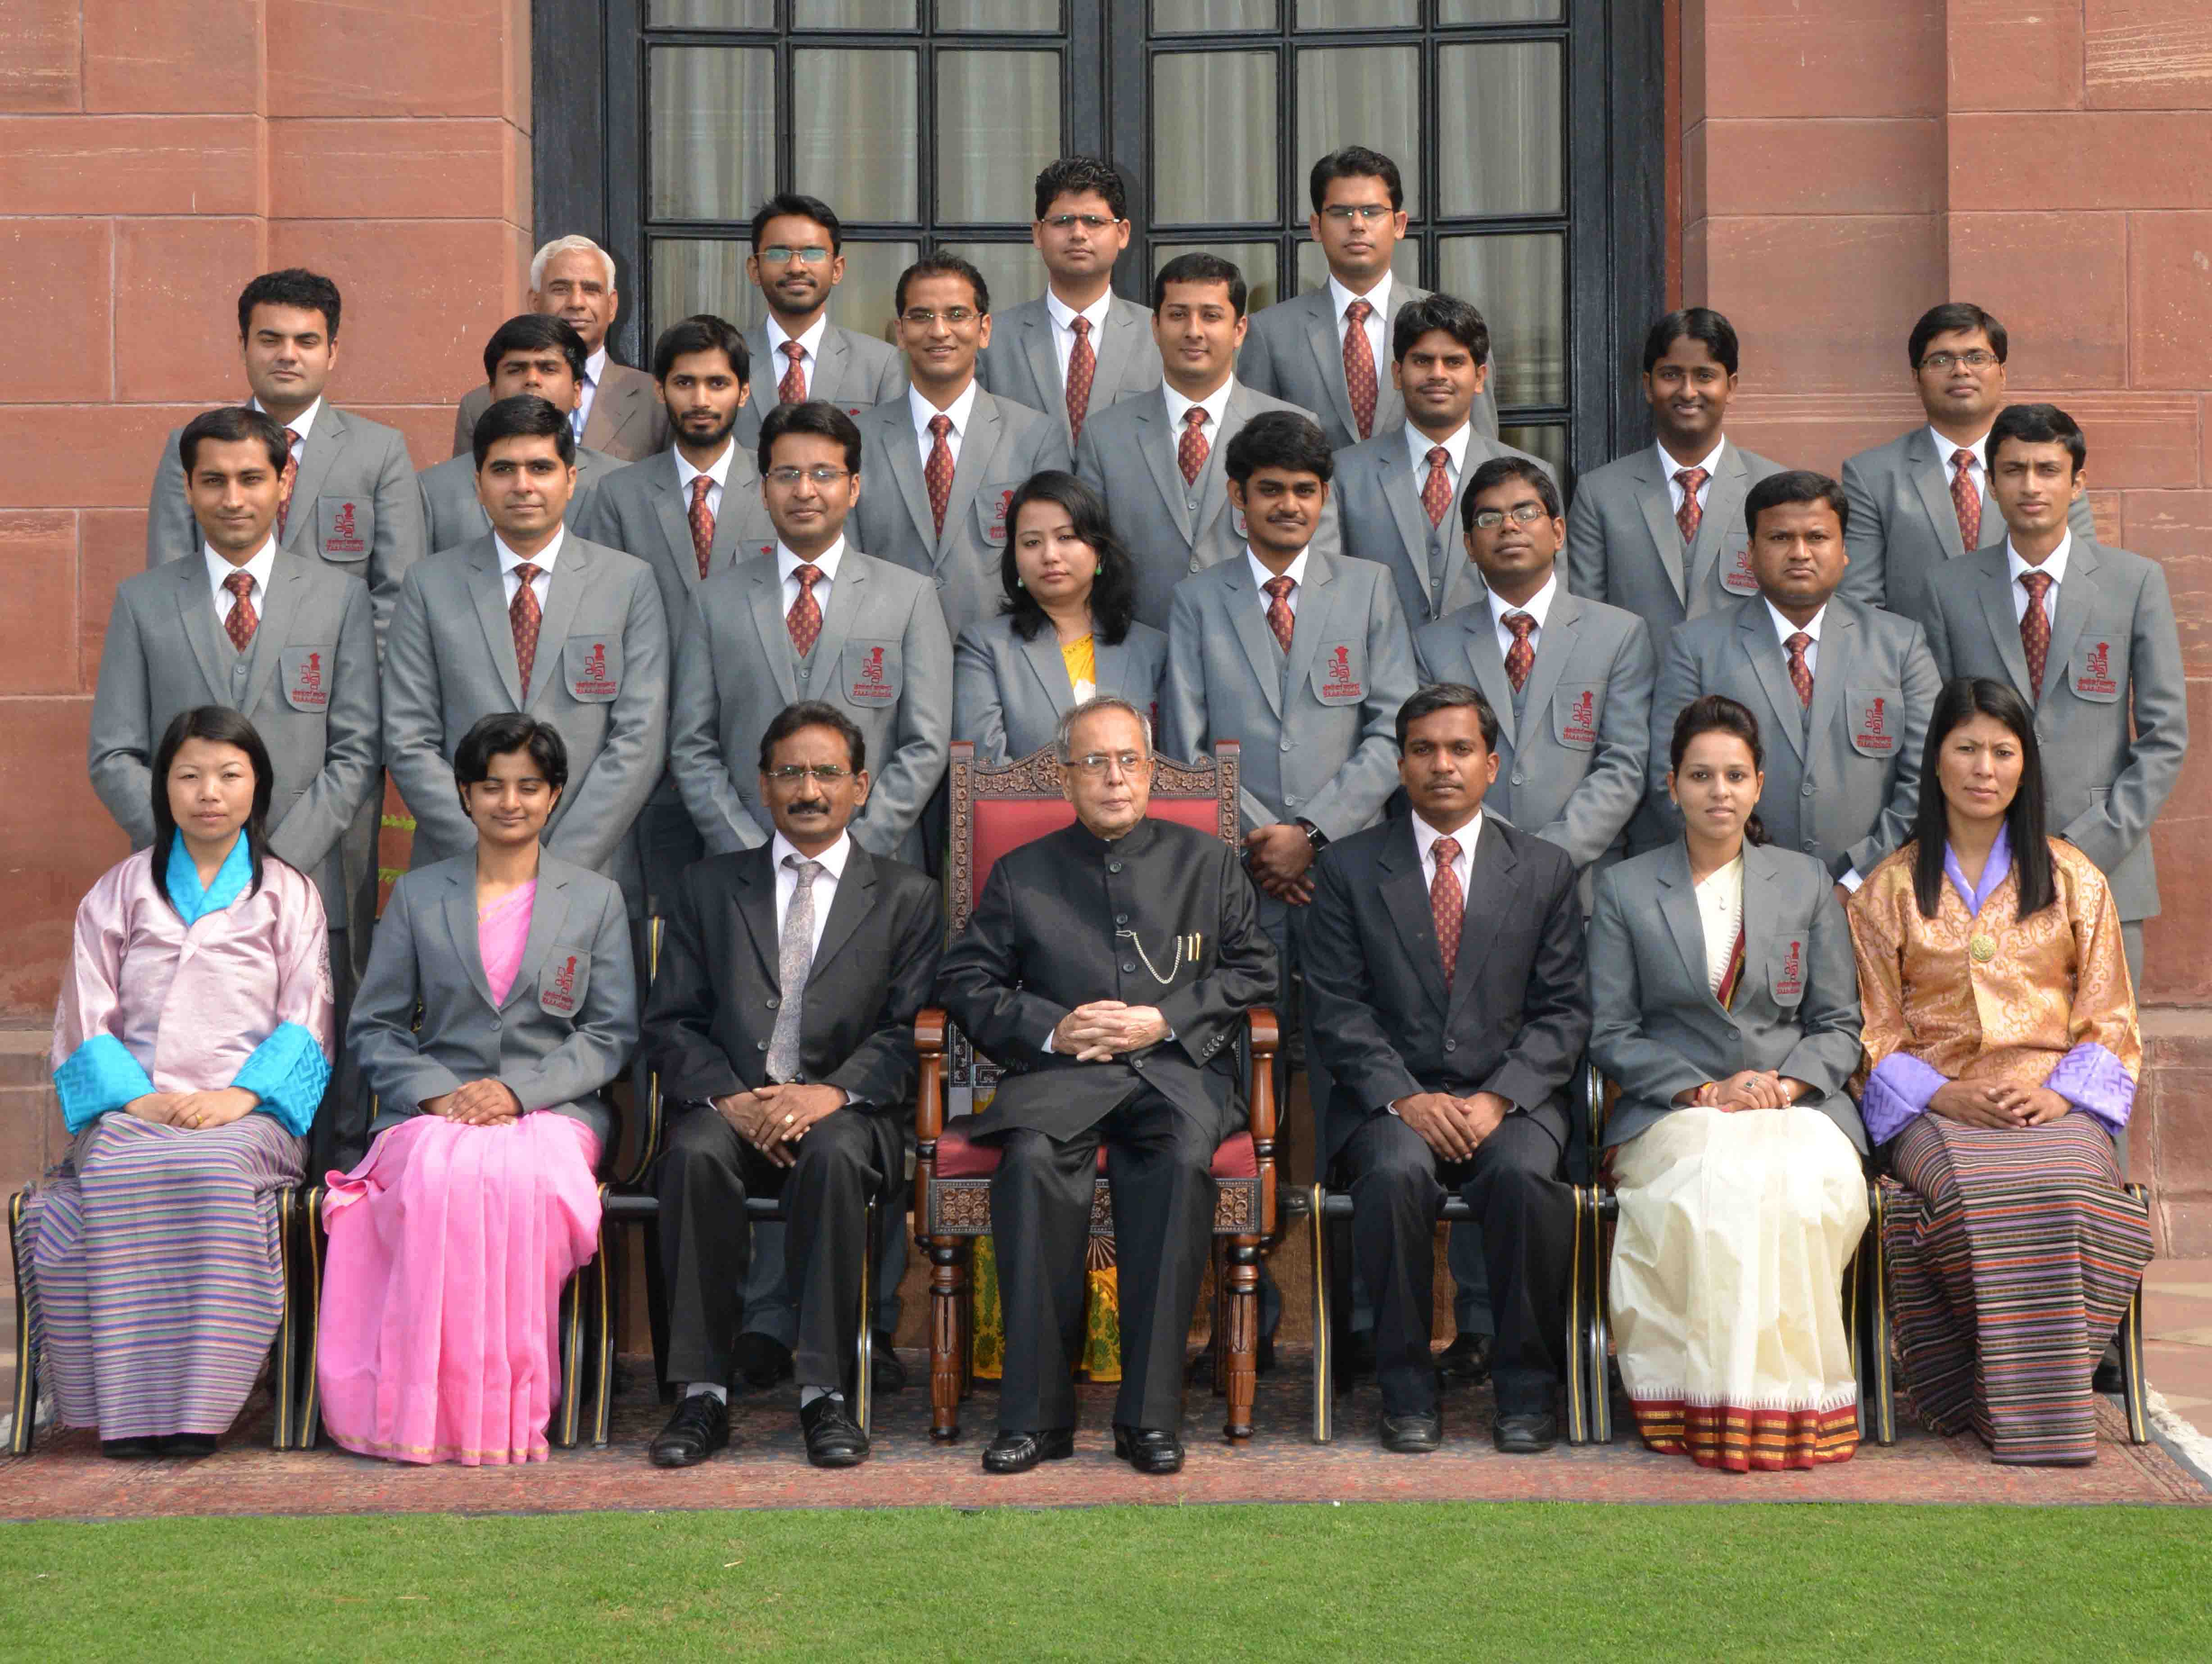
(1314, 835)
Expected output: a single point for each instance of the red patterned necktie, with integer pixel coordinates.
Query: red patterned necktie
(240, 623)
(1966, 498)
(524, 616)
(1447, 903)
(1520, 657)
(2035, 629)
(791, 390)
(1280, 618)
(937, 472)
(1191, 450)
(804, 621)
(291, 477)
(1436, 490)
(1688, 516)
(1082, 366)
(1359, 367)
(702, 521)
(1801, 673)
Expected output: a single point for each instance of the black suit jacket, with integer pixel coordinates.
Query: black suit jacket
(1047, 937)
(1517, 1014)
(714, 999)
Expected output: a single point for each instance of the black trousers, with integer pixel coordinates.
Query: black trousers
(846, 1158)
(1159, 1162)
(1514, 1186)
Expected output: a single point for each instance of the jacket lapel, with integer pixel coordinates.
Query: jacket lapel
(1213, 476)
(549, 912)
(766, 597)
(1156, 441)
(1489, 898)
(1111, 663)
(1838, 654)
(325, 439)
(741, 492)
(856, 898)
(672, 506)
(1041, 652)
(1488, 663)
(1328, 352)
(1406, 899)
(1754, 635)
(1402, 491)
(1931, 479)
(1043, 358)
(768, 366)
(196, 610)
(979, 448)
(1678, 905)
(1555, 647)
(904, 454)
(755, 900)
(490, 592)
(830, 364)
(1245, 617)
(1658, 507)
(1995, 586)
(564, 591)
(848, 596)
(1724, 510)
(281, 604)
(460, 911)
(2077, 599)
(1314, 622)
(1759, 905)
(1124, 333)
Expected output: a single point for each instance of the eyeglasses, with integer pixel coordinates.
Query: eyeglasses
(1977, 359)
(790, 774)
(1088, 221)
(824, 475)
(1365, 213)
(1521, 513)
(921, 317)
(777, 255)
(1094, 764)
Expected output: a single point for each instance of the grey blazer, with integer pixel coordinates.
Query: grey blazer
(1624, 549)
(883, 657)
(1903, 526)
(1843, 779)
(601, 678)
(1291, 350)
(2115, 664)
(853, 371)
(1022, 364)
(308, 683)
(452, 514)
(354, 507)
(1004, 444)
(1570, 761)
(1127, 454)
(1009, 694)
(1319, 726)
(1656, 1029)
(1378, 497)
(565, 1030)
(628, 419)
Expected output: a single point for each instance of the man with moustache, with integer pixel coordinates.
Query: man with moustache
(798, 258)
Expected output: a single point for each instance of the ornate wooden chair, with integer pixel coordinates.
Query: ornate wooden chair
(994, 810)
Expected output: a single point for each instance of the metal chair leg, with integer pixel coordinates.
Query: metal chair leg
(1324, 1374)
(864, 1385)
(1578, 1386)
(1870, 1329)
(26, 1356)
(307, 1413)
(603, 1338)
(1599, 1327)
(2135, 1385)
(284, 1354)
(567, 1417)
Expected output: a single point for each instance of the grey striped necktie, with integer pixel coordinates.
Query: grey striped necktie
(795, 958)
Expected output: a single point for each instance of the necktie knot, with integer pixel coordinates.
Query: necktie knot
(1280, 588)
(1081, 326)
(1801, 669)
(1195, 417)
(1445, 851)
(701, 485)
(528, 574)
(239, 584)
(2038, 584)
(941, 425)
(794, 351)
(1962, 459)
(1522, 624)
(1358, 313)
(1798, 642)
(808, 870)
(1438, 457)
(807, 574)
(1691, 480)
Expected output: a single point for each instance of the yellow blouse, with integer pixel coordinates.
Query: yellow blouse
(1082, 668)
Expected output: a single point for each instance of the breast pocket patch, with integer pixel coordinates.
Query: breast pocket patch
(2101, 667)
(592, 664)
(872, 673)
(990, 505)
(1876, 716)
(304, 675)
(1736, 576)
(1340, 673)
(344, 528)
(562, 985)
(1575, 711)
(1785, 973)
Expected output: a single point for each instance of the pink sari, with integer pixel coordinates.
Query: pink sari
(449, 1248)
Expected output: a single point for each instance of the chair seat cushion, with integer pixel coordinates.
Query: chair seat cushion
(958, 1158)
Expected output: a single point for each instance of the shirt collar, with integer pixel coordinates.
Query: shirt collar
(1215, 403)
(718, 470)
(833, 859)
(191, 903)
(1537, 606)
(1418, 444)
(595, 367)
(1296, 572)
(543, 559)
(826, 561)
(263, 564)
(2054, 564)
(302, 424)
(922, 410)
(1994, 871)
(812, 340)
(1784, 629)
(1425, 836)
(1378, 297)
(1064, 316)
(1945, 447)
(1711, 464)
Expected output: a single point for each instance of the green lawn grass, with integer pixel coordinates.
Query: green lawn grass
(1383, 1581)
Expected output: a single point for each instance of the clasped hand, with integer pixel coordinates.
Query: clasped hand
(1972, 1104)
(1279, 859)
(774, 1117)
(1104, 1027)
(1453, 1127)
(485, 1102)
(1749, 1089)
(195, 1112)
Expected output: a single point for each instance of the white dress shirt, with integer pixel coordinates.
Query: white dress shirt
(1217, 412)
(1537, 606)
(1784, 629)
(1377, 322)
(779, 364)
(825, 882)
(787, 565)
(1417, 446)
(259, 569)
(1296, 572)
(1720, 911)
(1670, 467)
(1424, 843)
(2053, 567)
(1979, 472)
(922, 410)
(299, 427)
(543, 559)
(595, 371)
(717, 470)
(1063, 318)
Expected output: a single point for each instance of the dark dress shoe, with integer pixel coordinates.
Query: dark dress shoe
(130, 1449)
(886, 1374)
(1266, 1362)
(1414, 1433)
(834, 1439)
(1018, 1452)
(1467, 1358)
(762, 1360)
(186, 1447)
(1149, 1449)
(700, 1427)
(1526, 1434)
(2106, 1378)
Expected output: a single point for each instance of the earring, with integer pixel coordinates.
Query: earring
(1019, 583)
(1098, 571)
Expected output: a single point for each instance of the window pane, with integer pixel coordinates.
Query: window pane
(1198, 16)
(711, 137)
(1010, 15)
(998, 123)
(1313, 264)
(1256, 261)
(1519, 283)
(1354, 14)
(1011, 269)
(710, 14)
(1213, 138)
(1549, 442)
(863, 302)
(1372, 91)
(1499, 11)
(855, 115)
(854, 15)
(691, 276)
(1499, 139)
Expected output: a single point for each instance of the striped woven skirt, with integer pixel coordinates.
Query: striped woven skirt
(2012, 1252)
(1727, 1286)
(156, 1281)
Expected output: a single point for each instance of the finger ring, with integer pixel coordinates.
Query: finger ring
(788, 1121)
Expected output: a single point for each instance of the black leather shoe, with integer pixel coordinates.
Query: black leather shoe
(834, 1439)
(762, 1360)
(1530, 1435)
(186, 1447)
(700, 1427)
(130, 1449)
(1018, 1452)
(1266, 1362)
(1415, 1434)
(1467, 1358)
(1149, 1449)
(886, 1373)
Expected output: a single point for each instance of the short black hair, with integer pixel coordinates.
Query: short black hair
(295, 286)
(1955, 316)
(1200, 267)
(702, 332)
(1795, 485)
(814, 416)
(501, 734)
(814, 714)
(2036, 424)
(942, 265)
(1699, 323)
(524, 416)
(222, 726)
(1448, 312)
(1502, 470)
(532, 331)
(229, 425)
(798, 205)
(1355, 161)
(1447, 696)
(1280, 439)
(1113, 591)
(1077, 176)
